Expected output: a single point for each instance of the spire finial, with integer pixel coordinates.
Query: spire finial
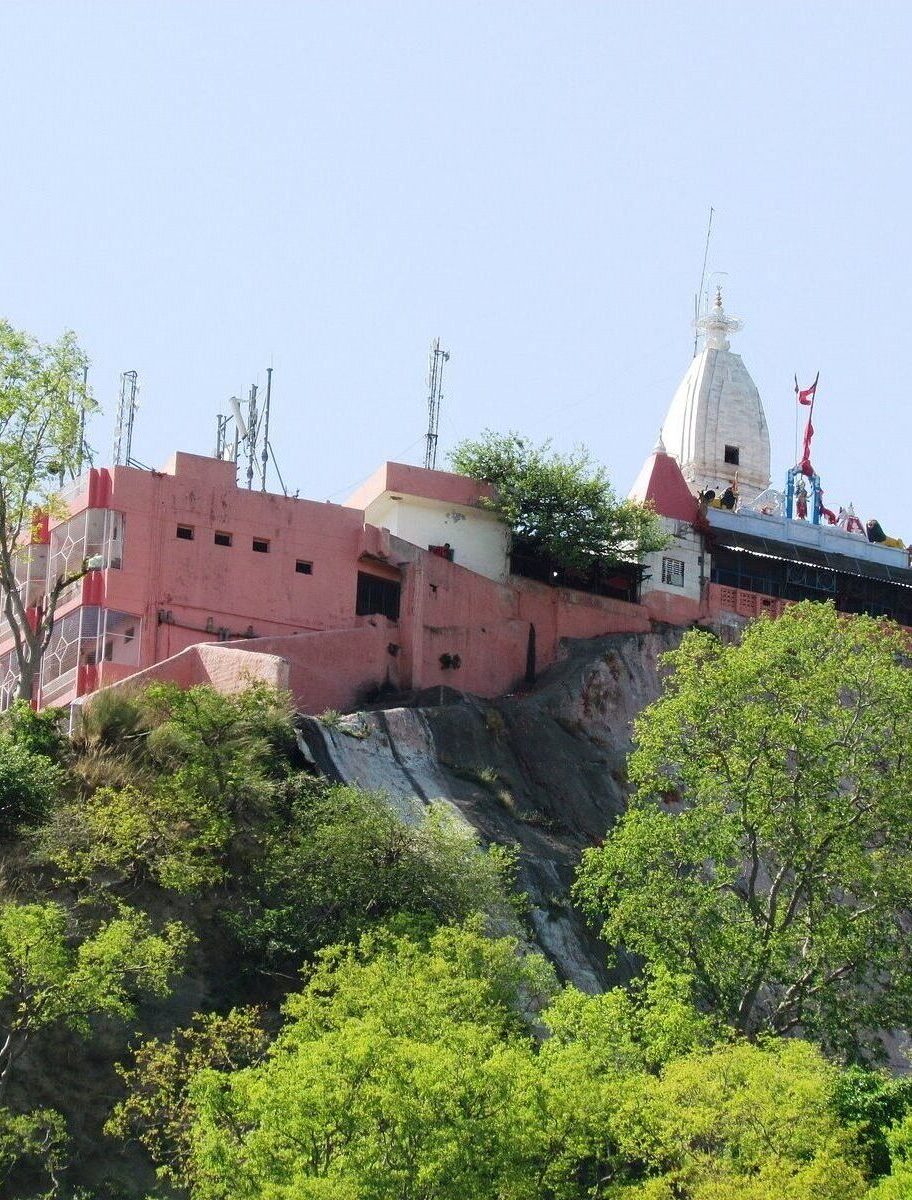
(659, 447)
(717, 326)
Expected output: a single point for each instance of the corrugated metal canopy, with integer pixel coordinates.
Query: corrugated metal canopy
(843, 564)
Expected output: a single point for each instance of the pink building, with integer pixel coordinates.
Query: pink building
(197, 580)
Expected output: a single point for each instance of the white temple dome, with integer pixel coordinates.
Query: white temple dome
(715, 426)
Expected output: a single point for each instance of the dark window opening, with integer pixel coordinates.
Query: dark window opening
(129, 634)
(222, 538)
(261, 545)
(377, 595)
(732, 455)
(185, 532)
(303, 567)
(673, 572)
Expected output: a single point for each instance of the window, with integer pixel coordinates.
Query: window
(732, 455)
(185, 532)
(376, 595)
(222, 538)
(261, 545)
(673, 572)
(303, 567)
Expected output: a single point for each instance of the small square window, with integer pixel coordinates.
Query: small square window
(732, 455)
(261, 545)
(222, 538)
(185, 532)
(673, 572)
(303, 567)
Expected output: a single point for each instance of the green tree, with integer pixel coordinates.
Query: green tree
(49, 976)
(738, 1122)
(196, 779)
(157, 1109)
(872, 1102)
(36, 1141)
(403, 1073)
(766, 849)
(336, 860)
(560, 506)
(898, 1184)
(29, 785)
(43, 402)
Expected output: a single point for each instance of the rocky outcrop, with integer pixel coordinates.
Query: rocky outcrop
(544, 770)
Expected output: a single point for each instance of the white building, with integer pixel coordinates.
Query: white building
(716, 427)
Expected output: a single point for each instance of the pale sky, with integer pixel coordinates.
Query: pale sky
(201, 190)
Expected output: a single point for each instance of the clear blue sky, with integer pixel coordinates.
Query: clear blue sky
(202, 189)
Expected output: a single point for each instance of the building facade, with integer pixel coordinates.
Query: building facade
(411, 584)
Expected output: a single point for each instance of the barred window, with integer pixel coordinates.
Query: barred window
(673, 571)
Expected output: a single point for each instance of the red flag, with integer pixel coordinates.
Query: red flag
(806, 395)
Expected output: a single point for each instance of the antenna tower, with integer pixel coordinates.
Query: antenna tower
(245, 434)
(126, 411)
(702, 280)
(436, 359)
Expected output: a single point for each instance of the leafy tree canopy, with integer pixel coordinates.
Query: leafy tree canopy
(405, 1073)
(43, 400)
(49, 975)
(766, 849)
(558, 505)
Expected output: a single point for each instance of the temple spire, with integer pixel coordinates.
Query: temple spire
(717, 326)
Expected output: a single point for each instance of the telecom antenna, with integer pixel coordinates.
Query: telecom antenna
(436, 359)
(243, 434)
(702, 280)
(126, 411)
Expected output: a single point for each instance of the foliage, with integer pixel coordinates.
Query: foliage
(898, 1184)
(339, 860)
(29, 784)
(48, 975)
(739, 1122)
(600, 1047)
(193, 774)
(404, 1072)
(165, 833)
(34, 1140)
(156, 1110)
(766, 849)
(37, 732)
(395, 1076)
(43, 400)
(560, 506)
(872, 1102)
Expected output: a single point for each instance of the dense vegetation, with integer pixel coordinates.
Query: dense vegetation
(222, 976)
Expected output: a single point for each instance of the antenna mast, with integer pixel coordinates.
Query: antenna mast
(436, 359)
(126, 411)
(245, 434)
(702, 279)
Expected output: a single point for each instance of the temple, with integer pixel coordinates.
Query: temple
(751, 548)
(413, 583)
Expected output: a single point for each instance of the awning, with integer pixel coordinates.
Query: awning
(842, 564)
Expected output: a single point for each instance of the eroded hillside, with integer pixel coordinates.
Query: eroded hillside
(544, 770)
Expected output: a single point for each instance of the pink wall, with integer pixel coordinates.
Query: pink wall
(306, 631)
(419, 481)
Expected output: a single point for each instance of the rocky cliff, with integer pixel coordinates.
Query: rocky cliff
(544, 770)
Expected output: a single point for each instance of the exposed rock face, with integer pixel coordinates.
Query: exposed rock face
(545, 770)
